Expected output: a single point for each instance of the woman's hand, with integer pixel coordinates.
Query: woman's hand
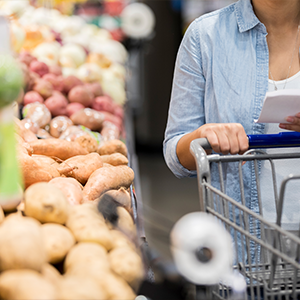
(226, 137)
(293, 123)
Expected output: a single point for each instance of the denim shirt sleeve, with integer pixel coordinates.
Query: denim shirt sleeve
(186, 111)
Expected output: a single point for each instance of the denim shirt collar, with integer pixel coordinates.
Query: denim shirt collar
(245, 15)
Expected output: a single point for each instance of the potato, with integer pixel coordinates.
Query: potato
(115, 159)
(55, 69)
(85, 254)
(57, 105)
(127, 264)
(83, 288)
(117, 288)
(125, 221)
(103, 103)
(57, 148)
(21, 245)
(71, 188)
(31, 97)
(43, 87)
(29, 124)
(81, 94)
(44, 134)
(121, 240)
(113, 146)
(58, 125)
(70, 82)
(110, 131)
(51, 274)
(25, 285)
(56, 81)
(87, 142)
(58, 240)
(37, 113)
(107, 178)
(46, 203)
(95, 88)
(73, 107)
(81, 167)
(88, 225)
(89, 118)
(39, 67)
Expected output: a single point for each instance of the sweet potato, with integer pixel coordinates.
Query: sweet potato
(46, 203)
(87, 142)
(70, 187)
(58, 125)
(112, 146)
(35, 170)
(57, 148)
(19, 237)
(115, 159)
(81, 167)
(81, 94)
(89, 118)
(45, 160)
(26, 134)
(107, 178)
(121, 196)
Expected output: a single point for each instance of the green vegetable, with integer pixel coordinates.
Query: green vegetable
(11, 80)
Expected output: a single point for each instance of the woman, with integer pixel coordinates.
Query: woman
(226, 63)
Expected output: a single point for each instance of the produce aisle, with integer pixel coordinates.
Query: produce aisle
(70, 223)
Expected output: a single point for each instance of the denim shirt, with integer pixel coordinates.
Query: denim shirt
(221, 76)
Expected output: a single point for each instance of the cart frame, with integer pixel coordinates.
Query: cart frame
(274, 272)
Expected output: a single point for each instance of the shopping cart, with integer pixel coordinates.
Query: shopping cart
(275, 272)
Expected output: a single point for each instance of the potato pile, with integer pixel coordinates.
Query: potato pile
(55, 250)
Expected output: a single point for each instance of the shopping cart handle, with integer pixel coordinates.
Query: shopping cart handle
(279, 140)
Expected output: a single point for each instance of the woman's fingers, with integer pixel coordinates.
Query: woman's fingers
(226, 138)
(293, 123)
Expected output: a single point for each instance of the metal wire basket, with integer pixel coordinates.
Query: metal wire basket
(265, 254)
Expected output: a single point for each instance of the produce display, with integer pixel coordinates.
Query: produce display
(55, 244)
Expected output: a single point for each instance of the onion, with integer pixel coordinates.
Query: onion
(47, 52)
(89, 72)
(72, 55)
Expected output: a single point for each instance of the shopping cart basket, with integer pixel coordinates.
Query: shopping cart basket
(275, 272)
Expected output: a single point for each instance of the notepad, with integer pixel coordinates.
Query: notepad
(278, 105)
